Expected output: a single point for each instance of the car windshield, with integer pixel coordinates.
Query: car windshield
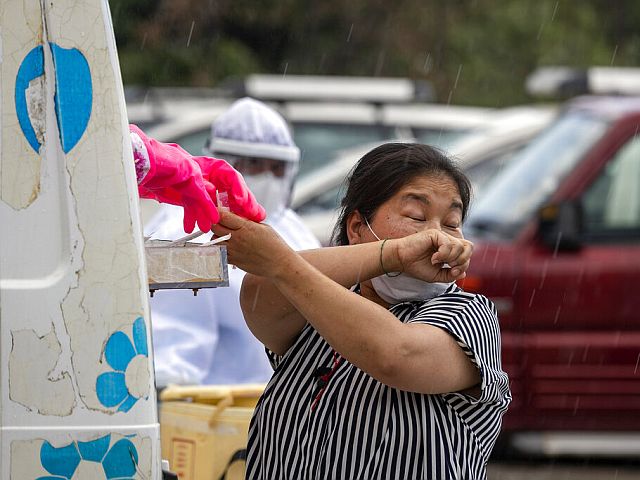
(533, 175)
(319, 142)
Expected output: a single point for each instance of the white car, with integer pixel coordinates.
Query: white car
(481, 153)
(320, 129)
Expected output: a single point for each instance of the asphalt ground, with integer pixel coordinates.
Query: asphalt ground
(564, 469)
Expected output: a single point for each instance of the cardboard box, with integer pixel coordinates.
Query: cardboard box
(203, 429)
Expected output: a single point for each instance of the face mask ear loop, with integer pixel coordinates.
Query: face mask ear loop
(381, 247)
(371, 229)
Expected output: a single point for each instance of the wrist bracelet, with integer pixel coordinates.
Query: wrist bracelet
(382, 265)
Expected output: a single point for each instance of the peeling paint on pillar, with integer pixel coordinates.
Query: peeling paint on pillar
(31, 364)
(30, 97)
(20, 166)
(66, 290)
(107, 287)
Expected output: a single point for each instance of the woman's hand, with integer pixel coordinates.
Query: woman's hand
(424, 254)
(254, 247)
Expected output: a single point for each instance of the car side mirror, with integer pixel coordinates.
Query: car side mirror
(561, 226)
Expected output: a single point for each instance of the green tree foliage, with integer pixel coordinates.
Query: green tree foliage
(475, 52)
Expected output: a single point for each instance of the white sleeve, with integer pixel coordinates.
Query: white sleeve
(293, 231)
(185, 335)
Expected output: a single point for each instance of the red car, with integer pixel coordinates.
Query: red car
(557, 248)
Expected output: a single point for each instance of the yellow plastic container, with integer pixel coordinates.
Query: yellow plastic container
(202, 428)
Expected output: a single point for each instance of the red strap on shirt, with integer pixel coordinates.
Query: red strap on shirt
(323, 379)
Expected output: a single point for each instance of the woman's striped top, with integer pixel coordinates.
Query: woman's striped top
(361, 428)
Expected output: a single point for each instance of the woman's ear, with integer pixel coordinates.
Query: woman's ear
(355, 222)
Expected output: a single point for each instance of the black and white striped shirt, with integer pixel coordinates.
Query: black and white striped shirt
(361, 428)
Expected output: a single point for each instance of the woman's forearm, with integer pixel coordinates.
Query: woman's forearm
(361, 330)
(271, 315)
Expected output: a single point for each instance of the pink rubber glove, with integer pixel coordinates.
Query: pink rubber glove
(225, 178)
(176, 177)
(173, 177)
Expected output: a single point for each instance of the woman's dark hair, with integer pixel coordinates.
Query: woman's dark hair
(383, 171)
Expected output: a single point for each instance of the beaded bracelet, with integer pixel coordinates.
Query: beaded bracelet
(382, 265)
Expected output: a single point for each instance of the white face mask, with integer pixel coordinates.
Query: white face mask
(270, 191)
(403, 288)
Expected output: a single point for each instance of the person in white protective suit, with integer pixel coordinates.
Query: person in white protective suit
(203, 339)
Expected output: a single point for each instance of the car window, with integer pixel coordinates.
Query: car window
(482, 172)
(437, 137)
(534, 174)
(326, 201)
(318, 142)
(611, 205)
(193, 142)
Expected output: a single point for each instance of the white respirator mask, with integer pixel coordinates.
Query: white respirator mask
(270, 191)
(404, 288)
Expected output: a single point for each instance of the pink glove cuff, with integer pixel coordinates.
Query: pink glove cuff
(140, 156)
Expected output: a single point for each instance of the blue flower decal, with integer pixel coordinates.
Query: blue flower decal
(129, 380)
(118, 462)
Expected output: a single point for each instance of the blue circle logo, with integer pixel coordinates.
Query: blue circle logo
(73, 94)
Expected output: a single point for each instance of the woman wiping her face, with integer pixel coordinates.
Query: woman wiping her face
(384, 368)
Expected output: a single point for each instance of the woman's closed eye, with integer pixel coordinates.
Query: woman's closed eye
(419, 218)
